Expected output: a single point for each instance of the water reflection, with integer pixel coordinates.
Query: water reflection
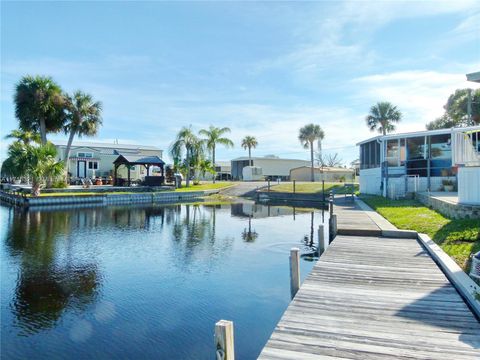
(112, 268)
(47, 284)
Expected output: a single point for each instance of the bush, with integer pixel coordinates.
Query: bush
(59, 184)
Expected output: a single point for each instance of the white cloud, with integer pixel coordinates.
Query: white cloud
(420, 95)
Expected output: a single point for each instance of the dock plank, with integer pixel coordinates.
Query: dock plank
(375, 298)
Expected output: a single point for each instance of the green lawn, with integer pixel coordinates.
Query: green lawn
(311, 187)
(458, 238)
(205, 186)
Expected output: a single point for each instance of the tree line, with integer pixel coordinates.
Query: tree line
(42, 107)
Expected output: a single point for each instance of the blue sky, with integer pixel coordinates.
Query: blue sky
(260, 68)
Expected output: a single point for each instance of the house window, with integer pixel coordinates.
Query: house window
(93, 165)
(85, 154)
(393, 152)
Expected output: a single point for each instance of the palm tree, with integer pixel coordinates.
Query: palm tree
(39, 105)
(382, 117)
(39, 161)
(83, 119)
(213, 137)
(188, 141)
(249, 142)
(26, 137)
(307, 136)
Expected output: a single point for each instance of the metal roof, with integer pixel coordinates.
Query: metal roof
(420, 133)
(243, 158)
(105, 145)
(138, 159)
(475, 77)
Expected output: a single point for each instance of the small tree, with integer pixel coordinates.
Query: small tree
(382, 117)
(83, 119)
(307, 136)
(39, 105)
(186, 141)
(456, 110)
(249, 142)
(38, 161)
(214, 136)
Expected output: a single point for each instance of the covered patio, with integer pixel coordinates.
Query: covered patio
(131, 160)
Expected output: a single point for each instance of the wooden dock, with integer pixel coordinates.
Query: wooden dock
(375, 298)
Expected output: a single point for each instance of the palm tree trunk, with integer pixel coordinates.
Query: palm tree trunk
(213, 159)
(250, 156)
(188, 167)
(66, 161)
(312, 178)
(43, 131)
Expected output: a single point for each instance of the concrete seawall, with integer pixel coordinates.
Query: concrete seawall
(105, 199)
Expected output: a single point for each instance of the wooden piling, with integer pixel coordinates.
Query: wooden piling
(321, 240)
(294, 271)
(333, 227)
(294, 186)
(224, 344)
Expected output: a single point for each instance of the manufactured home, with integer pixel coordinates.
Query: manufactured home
(398, 164)
(272, 167)
(96, 159)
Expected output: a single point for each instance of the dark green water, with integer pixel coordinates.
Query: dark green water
(146, 282)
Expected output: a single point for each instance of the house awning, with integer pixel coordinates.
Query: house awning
(474, 77)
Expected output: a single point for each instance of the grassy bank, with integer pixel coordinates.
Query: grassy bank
(205, 186)
(311, 187)
(458, 238)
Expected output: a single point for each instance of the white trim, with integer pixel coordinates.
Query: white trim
(421, 133)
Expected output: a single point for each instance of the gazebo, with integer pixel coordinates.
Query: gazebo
(141, 160)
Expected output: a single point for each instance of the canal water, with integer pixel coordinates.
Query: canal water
(146, 282)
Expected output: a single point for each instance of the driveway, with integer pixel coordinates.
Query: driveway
(245, 189)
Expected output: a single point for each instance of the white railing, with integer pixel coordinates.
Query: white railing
(464, 152)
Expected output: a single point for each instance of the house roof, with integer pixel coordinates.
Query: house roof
(105, 145)
(475, 77)
(325, 169)
(138, 159)
(420, 133)
(243, 158)
(223, 163)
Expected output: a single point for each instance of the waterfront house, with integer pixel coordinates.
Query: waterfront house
(327, 173)
(397, 165)
(96, 159)
(273, 167)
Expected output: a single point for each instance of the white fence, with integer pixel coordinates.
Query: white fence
(464, 152)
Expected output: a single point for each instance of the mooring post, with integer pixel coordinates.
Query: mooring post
(330, 203)
(294, 186)
(321, 240)
(224, 345)
(333, 227)
(268, 185)
(294, 271)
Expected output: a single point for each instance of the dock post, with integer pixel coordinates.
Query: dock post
(224, 345)
(294, 186)
(333, 227)
(269, 185)
(321, 240)
(294, 271)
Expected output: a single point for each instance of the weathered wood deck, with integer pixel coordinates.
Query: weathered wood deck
(375, 298)
(351, 220)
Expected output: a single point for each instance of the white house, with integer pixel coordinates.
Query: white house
(272, 167)
(397, 164)
(326, 173)
(95, 159)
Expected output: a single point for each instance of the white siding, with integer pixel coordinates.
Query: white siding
(370, 181)
(469, 185)
(278, 167)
